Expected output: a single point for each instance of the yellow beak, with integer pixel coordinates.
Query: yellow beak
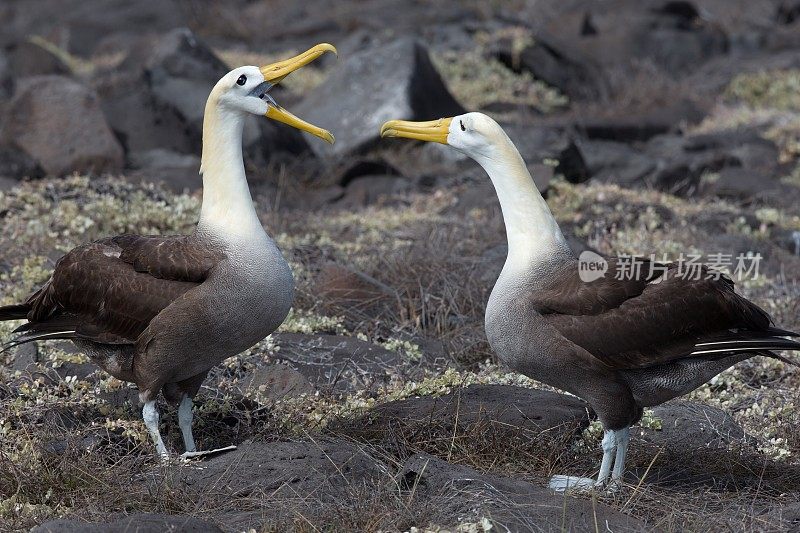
(275, 72)
(431, 131)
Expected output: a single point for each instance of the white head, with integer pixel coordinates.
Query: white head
(474, 134)
(246, 90)
(243, 89)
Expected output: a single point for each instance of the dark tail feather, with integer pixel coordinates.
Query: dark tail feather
(779, 357)
(757, 343)
(31, 337)
(746, 345)
(778, 332)
(14, 312)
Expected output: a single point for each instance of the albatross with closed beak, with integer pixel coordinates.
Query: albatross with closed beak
(162, 311)
(620, 344)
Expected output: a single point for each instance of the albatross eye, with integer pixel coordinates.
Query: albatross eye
(462, 125)
(242, 80)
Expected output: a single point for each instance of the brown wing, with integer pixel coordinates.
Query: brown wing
(180, 258)
(628, 324)
(109, 291)
(568, 294)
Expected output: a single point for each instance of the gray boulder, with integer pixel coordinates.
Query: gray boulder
(632, 123)
(574, 75)
(177, 171)
(693, 426)
(80, 24)
(157, 101)
(272, 382)
(285, 478)
(59, 124)
(378, 84)
(511, 504)
(16, 164)
(337, 362)
(676, 163)
(538, 143)
(368, 190)
(674, 36)
(502, 407)
(743, 184)
(615, 162)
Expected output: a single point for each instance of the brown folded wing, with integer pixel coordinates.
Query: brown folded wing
(109, 291)
(635, 323)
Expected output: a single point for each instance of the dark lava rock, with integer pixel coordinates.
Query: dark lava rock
(693, 426)
(512, 504)
(631, 124)
(152, 126)
(273, 382)
(357, 168)
(573, 75)
(539, 143)
(59, 124)
(368, 190)
(16, 164)
(675, 163)
(167, 83)
(281, 474)
(286, 469)
(503, 407)
(176, 171)
(615, 162)
(746, 146)
(337, 362)
(24, 357)
(180, 72)
(140, 523)
(745, 184)
(387, 82)
(80, 371)
(81, 24)
(683, 160)
(673, 35)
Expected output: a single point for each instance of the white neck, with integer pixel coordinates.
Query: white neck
(227, 211)
(533, 233)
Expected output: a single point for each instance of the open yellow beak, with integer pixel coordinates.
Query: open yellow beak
(431, 131)
(275, 72)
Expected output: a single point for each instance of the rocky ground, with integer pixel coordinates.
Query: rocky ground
(662, 127)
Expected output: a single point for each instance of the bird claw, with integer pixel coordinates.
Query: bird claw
(559, 483)
(186, 456)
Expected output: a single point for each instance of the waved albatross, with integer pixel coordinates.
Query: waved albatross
(161, 311)
(620, 344)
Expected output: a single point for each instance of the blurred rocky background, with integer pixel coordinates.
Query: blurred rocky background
(652, 126)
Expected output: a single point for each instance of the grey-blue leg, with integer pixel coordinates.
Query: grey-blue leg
(623, 437)
(185, 422)
(615, 447)
(609, 445)
(150, 416)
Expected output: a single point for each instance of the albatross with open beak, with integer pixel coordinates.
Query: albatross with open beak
(620, 344)
(162, 311)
